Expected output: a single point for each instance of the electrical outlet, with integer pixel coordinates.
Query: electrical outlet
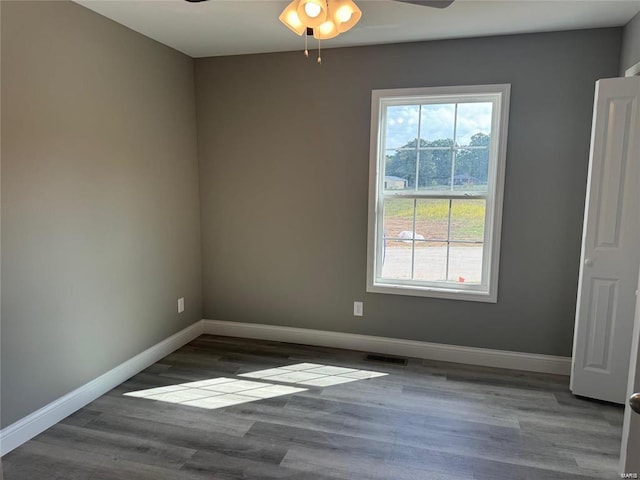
(357, 309)
(181, 305)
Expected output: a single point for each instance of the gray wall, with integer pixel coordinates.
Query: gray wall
(284, 152)
(630, 44)
(100, 211)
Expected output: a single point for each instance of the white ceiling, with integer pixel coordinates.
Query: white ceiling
(232, 27)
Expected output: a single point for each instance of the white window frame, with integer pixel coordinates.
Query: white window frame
(487, 290)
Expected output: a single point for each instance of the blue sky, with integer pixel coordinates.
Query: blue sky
(437, 122)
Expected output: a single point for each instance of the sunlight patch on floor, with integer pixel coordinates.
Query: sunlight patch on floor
(223, 392)
(215, 392)
(313, 374)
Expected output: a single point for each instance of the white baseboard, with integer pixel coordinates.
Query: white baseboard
(28, 427)
(392, 346)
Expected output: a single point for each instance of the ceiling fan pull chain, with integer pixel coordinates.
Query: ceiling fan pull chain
(306, 49)
(319, 56)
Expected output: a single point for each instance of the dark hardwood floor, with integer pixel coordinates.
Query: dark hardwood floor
(426, 420)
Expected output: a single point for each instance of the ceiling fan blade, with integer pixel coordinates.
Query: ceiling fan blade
(429, 3)
(195, 1)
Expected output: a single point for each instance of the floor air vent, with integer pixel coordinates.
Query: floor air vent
(386, 359)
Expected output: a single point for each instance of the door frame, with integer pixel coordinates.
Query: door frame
(624, 466)
(633, 70)
(634, 383)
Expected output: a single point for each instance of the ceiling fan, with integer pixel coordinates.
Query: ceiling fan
(325, 19)
(423, 3)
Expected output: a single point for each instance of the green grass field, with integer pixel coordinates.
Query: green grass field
(467, 216)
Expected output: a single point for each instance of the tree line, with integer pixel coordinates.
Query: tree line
(471, 164)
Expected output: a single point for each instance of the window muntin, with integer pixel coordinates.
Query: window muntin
(436, 191)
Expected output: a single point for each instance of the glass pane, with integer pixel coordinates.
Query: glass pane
(398, 219)
(465, 263)
(467, 220)
(435, 169)
(430, 261)
(400, 169)
(401, 126)
(473, 119)
(436, 123)
(472, 169)
(432, 219)
(398, 234)
(396, 259)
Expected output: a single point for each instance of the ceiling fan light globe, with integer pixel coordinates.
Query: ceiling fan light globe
(312, 9)
(290, 18)
(294, 19)
(345, 14)
(316, 7)
(326, 31)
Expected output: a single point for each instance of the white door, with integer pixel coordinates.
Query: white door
(630, 451)
(610, 245)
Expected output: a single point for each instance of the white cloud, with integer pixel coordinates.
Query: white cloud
(436, 122)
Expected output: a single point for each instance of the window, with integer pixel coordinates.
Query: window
(436, 184)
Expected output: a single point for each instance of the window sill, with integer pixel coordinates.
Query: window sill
(434, 292)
